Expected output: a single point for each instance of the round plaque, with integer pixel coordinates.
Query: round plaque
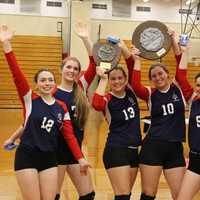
(106, 52)
(152, 39)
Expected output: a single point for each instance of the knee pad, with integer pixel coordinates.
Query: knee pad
(89, 196)
(123, 197)
(146, 197)
(57, 197)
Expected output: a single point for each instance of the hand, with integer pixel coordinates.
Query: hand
(171, 32)
(185, 48)
(84, 166)
(81, 29)
(135, 52)
(7, 142)
(100, 71)
(122, 44)
(5, 34)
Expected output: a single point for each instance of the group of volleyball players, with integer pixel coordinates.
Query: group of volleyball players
(53, 129)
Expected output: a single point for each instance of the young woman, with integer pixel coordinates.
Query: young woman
(72, 91)
(121, 110)
(162, 148)
(191, 181)
(35, 159)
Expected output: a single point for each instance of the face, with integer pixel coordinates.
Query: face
(117, 81)
(70, 71)
(197, 88)
(45, 82)
(159, 77)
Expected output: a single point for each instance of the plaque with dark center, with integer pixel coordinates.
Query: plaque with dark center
(152, 39)
(106, 54)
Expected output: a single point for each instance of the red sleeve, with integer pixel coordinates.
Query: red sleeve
(18, 77)
(178, 59)
(181, 78)
(99, 102)
(68, 133)
(89, 74)
(130, 64)
(71, 140)
(140, 90)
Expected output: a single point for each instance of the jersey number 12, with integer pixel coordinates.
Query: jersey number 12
(47, 124)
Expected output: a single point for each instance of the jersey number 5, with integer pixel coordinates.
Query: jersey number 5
(198, 121)
(129, 113)
(47, 124)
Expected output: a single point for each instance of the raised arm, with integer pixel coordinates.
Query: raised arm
(99, 100)
(128, 58)
(175, 45)
(81, 29)
(140, 90)
(181, 74)
(18, 77)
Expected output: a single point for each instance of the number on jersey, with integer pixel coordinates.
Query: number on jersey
(168, 109)
(129, 113)
(198, 121)
(47, 124)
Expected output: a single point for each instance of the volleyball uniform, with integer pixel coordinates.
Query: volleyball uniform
(122, 114)
(193, 136)
(65, 156)
(163, 144)
(43, 123)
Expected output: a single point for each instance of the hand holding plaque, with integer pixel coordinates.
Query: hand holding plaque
(106, 54)
(152, 39)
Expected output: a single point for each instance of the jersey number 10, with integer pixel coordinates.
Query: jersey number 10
(168, 109)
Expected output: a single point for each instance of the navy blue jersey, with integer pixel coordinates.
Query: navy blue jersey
(123, 117)
(167, 114)
(194, 126)
(68, 98)
(43, 125)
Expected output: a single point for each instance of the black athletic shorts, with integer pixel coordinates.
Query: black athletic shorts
(194, 162)
(26, 158)
(64, 154)
(162, 153)
(120, 156)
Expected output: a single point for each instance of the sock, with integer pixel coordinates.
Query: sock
(57, 197)
(123, 197)
(89, 196)
(146, 197)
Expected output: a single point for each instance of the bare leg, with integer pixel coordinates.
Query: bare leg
(150, 176)
(28, 181)
(189, 186)
(48, 183)
(61, 176)
(174, 179)
(82, 183)
(122, 179)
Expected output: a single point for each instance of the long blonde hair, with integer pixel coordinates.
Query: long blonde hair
(80, 99)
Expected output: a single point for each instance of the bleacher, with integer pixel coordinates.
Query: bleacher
(33, 53)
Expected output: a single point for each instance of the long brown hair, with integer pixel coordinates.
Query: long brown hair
(80, 99)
